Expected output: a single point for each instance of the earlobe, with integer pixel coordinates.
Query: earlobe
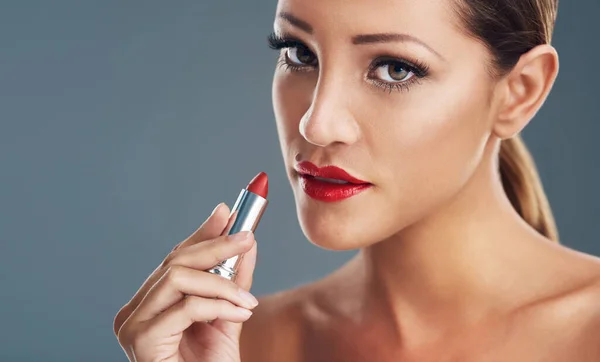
(526, 88)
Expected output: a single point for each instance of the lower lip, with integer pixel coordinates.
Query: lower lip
(328, 191)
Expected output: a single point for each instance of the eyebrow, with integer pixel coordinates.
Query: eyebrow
(301, 24)
(391, 37)
(361, 38)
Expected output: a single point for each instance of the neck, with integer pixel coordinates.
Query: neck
(454, 268)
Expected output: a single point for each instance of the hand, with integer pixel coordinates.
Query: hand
(166, 320)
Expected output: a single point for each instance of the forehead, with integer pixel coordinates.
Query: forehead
(372, 15)
(427, 19)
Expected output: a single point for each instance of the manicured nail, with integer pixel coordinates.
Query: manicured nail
(216, 209)
(248, 298)
(243, 312)
(241, 236)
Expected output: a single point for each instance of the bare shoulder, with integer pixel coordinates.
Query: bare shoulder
(274, 332)
(589, 337)
(568, 323)
(584, 306)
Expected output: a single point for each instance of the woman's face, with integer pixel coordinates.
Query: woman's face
(392, 92)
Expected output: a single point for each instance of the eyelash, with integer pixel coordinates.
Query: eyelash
(419, 69)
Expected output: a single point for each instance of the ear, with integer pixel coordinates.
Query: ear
(524, 90)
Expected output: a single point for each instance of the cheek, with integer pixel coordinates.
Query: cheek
(433, 148)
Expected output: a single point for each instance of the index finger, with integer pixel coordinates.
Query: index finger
(212, 227)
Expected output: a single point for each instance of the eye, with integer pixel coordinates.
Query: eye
(300, 55)
(386, 72)
(296, 56)
(393, 72)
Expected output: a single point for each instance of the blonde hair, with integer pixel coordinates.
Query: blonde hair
(509, 29)
(524, 188)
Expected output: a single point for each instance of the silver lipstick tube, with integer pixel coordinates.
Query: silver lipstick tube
(245, 216)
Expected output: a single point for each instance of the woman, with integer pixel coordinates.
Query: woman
(422, 101)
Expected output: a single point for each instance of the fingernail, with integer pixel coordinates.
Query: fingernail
(216, 209)
(243, 312)
(241, 236)
(248, 298)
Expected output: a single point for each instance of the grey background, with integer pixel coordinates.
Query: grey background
(123, 123)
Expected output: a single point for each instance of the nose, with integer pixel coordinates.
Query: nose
(329, 119)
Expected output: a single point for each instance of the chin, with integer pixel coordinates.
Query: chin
(335, 237)
(347, 225)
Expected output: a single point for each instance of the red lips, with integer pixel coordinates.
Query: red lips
(340, 186)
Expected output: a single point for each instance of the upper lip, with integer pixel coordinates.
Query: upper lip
(332, 172)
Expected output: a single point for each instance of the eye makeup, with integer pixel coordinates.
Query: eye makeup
(414, 69)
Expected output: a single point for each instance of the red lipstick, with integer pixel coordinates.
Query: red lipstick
(329, 183)
(259, 185)
(245, 216)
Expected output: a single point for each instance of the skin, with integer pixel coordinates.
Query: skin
(447, 270)
(166, 318)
